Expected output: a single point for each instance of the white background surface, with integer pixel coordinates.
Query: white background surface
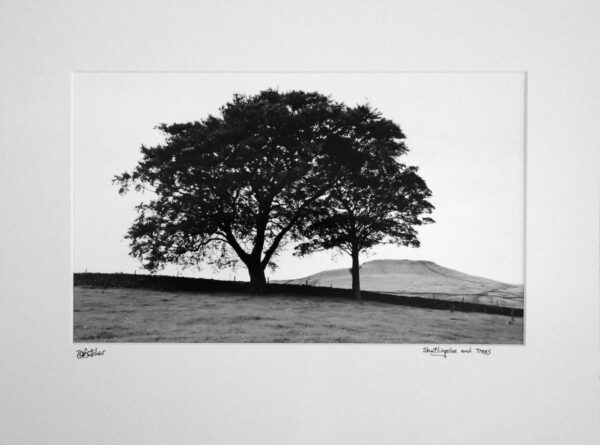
(547, 391)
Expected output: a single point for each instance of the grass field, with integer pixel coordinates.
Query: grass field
(139, 315)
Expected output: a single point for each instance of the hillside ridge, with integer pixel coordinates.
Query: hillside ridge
(418, 278)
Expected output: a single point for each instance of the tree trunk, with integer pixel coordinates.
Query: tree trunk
(355, 275)
(257, 277)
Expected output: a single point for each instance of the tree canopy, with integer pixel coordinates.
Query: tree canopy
(374, 199)
(233, 186)
(271, 168)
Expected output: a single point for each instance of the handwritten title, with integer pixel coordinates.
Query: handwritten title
(439, 351)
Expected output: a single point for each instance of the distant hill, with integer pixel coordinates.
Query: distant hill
(420, 278)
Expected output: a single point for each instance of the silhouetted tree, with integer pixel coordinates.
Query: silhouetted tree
(375, 199)
(233, 186)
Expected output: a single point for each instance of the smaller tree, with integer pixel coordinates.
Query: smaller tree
(375, 199)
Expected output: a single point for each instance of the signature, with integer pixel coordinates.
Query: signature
(89, 353)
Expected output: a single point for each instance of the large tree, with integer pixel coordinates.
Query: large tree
(233, 186)
(374, 199)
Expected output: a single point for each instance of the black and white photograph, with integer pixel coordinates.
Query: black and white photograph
(299, 207)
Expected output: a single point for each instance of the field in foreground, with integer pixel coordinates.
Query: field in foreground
(139, 315)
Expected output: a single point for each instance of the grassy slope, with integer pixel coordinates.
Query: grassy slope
(421, 278)
(137, 315)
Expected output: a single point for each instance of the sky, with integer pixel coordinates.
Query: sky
(465, 132)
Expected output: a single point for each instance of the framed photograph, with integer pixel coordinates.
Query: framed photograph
(265, 222)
